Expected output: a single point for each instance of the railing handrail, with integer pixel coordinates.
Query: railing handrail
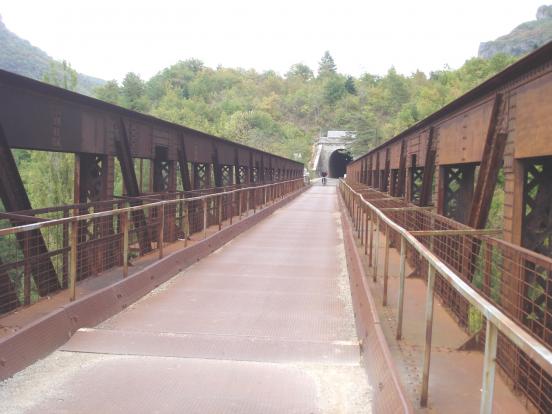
(33, 212)
(35, 226)
(505, 324)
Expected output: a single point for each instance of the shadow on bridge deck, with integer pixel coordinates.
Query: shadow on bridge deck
(264, 325)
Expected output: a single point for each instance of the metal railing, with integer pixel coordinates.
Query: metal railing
(367, 216)
(48, 256)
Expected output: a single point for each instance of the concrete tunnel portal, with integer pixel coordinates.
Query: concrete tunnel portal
(338, 163)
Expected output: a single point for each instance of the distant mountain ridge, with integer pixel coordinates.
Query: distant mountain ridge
(19, 56)
(523, 39)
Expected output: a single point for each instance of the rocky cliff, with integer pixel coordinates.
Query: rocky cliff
(523, 39)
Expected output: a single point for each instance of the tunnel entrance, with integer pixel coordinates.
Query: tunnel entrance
(338, 163)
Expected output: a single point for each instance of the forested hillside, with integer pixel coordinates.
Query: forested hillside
(19, 56)
(283, 114)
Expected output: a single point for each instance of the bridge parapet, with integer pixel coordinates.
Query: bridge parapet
(473, 274)
(127, 230)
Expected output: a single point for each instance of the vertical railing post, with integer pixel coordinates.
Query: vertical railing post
(231, 206)
(371, 239)
(376, 253)
(247, 201)
(386, 265)
(220, 200)
(402, 277)
(489, 367)
(66, 250)
(204, 204)
(185, 223)
(361, 224)
(27, 270)
(240, 194)
(366, 230)
(353, 212)
(431, 238)
(488, 260)
(124, 230)
(160, 237)
(358, 216)
(428, 334)
(73, 268)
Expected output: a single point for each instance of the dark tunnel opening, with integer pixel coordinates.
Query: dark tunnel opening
(338, 163)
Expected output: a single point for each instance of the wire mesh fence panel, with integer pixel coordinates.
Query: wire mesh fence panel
(88, 239)
(517, 281)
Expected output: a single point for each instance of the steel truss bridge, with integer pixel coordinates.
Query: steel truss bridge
(388, 291)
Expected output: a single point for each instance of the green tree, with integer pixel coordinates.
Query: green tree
(62, 75)
(48, 178)
(334, 89)
(133, 92)
(300, 71)
(109, 92)
(326, 65)
(350, 85)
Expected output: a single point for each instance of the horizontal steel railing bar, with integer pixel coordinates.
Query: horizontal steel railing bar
(383, 198)
(117, 199)
(37, 258)
(36, 226)
(537, 257)
(456, 232)
(531, 346)
(22, 217)
(399, 209)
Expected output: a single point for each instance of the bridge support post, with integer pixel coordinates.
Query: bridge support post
(161, 229)
(365, 230)
(402, 277)
(428, 334)
(489, 368)
(73, 269)
(371, 241)
(124, 230)
(376, 258)
(359, 217)
(185, 222)
(240, 193)
(219, 202)
(231, 206)
(386, 265)
(204, 205)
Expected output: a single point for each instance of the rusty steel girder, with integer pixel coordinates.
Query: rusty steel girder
(499, 132)
(39, 116)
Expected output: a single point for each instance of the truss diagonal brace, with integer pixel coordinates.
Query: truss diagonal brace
(429, 169)
(14, 198)
(490, 164)
(132, 188)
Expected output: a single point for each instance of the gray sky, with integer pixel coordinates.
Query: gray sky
(110, 38)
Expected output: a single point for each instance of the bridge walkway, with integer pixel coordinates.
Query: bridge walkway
(264, 324)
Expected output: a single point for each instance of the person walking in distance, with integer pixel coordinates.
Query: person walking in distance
(324, 174)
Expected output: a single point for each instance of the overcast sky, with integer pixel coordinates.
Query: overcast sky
(107, 39)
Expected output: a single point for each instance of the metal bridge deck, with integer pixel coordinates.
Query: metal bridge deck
(265, 324)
